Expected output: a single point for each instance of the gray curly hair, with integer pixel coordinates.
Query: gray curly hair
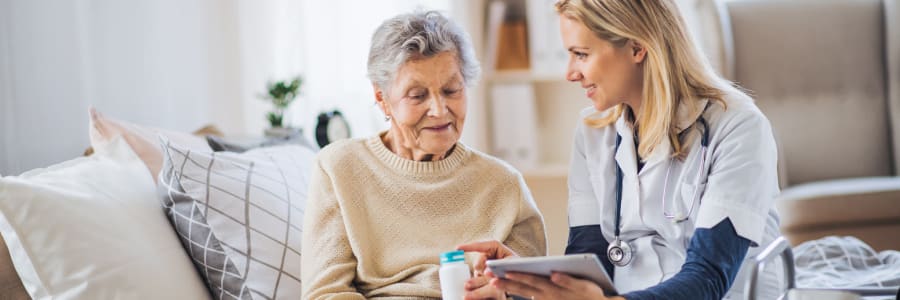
(420, 34)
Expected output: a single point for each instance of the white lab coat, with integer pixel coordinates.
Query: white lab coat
(738, 181)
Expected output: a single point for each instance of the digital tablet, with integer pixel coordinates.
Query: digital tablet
(584, 266)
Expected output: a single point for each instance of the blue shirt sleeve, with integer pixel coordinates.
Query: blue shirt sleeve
(589, 239)
(714, 257)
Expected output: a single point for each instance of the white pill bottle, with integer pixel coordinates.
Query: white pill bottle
(454, 273)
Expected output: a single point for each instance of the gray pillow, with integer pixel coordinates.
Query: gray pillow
(225, 144)
(239, 216)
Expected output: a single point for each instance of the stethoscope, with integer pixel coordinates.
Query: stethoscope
(620, 252)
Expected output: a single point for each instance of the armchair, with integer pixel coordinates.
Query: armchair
(827, 75)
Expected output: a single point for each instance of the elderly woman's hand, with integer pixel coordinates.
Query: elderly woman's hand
(487, 250)
(479, 288)
(490, 250)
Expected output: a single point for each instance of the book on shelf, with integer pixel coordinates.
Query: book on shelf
(514, 124)
(495, 16)
(507, 36)
(548, 56)
(512, 48)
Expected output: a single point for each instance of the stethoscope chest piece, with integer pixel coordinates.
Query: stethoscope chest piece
(619, 253)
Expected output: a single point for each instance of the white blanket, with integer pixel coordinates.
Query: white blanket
(845, 262)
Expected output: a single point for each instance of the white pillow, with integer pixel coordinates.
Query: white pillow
(93, 228)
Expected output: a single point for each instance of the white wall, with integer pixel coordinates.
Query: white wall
(180, 65)
(44, 68)
(5, 87)
(172, 64)
(271, 48)
(166, 63)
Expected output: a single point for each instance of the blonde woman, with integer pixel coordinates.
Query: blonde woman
(673, 172)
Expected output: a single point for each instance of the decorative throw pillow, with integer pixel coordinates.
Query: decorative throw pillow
(239, 215)
(142, 139)
(224, 144)
(92, 228)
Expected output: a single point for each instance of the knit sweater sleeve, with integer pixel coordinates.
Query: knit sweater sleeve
(328, 263)
(528, 236)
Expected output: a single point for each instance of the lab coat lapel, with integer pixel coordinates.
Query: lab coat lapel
(659, 157)
(626, 156)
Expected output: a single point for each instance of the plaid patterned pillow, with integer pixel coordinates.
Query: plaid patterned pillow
(239, 216)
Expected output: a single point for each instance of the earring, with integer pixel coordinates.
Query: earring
(387, 118)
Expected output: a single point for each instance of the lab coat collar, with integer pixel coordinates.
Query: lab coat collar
(685, 117)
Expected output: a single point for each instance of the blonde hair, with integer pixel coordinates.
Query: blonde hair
(675, 71)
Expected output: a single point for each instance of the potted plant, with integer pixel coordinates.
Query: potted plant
(281, 93)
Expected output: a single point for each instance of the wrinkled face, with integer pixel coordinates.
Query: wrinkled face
(610, 75)
(426, 103)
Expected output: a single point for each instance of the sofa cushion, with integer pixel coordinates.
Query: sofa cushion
(92, 228)
(239, 216)
(142, 139)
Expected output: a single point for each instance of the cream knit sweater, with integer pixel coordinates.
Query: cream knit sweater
(375, 223)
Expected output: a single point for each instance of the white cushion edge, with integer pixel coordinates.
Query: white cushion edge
(838, 187)
(25, 268)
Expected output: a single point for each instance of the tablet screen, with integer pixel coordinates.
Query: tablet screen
(584, 266)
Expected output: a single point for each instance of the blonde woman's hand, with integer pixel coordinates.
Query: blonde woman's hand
(558, 286)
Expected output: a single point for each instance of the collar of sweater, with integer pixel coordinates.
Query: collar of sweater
(408, 166)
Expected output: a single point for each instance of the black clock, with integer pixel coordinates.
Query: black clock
(331, 127)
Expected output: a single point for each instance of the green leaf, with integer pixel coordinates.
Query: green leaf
(282, 94)
(275, 119)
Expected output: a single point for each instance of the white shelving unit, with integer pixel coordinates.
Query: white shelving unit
(523, 76)
(557, 104)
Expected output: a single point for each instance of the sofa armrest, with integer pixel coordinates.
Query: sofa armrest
(10, 285)
(867, 208)
(840, 203)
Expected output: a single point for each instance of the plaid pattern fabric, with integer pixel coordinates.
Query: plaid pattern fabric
(239, 216)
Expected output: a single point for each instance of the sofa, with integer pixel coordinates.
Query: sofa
(211, 225)
(827, 75)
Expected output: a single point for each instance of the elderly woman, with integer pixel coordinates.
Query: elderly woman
(382, 209)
